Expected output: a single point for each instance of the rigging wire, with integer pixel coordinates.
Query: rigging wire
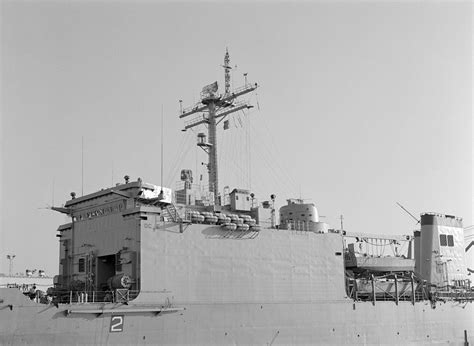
(162, 157)
(182, 154)
(177, 153)
(249, 156)
(270, 170)
(236, 152)
(256, 100)
(373, 244)
(279, 172)
(288, 178)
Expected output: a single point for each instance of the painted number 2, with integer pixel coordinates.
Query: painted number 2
(116, 323)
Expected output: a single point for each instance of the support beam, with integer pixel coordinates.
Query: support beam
(204, 121)
(121, 311)
(373, 288)
(396, 289)
(120, 193)
(62, 210)
(377, 236)
(213, 175)
(233, 110)
(240, 91)
(192, 110)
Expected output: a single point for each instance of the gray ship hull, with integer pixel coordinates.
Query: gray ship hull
(202, 285)
(309, 323)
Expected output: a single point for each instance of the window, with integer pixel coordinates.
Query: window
(236, 197)
(291, 213)
(248, 199)
(442, 240)
(450, 240)
(302, 214)
(82, 265)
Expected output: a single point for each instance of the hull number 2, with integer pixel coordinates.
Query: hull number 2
(116, 323)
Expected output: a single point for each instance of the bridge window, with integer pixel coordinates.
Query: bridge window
(82, 265)
(450, 240)
(442, 240)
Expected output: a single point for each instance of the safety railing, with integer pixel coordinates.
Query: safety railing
(461, 295)
(403, 289)
(82, 297)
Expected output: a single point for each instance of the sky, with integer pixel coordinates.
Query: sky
(360, 105)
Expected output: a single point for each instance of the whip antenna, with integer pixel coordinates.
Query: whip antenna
(82, 166)
(161, 183)
(401, 206)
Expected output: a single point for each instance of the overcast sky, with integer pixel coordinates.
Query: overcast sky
(360, 105)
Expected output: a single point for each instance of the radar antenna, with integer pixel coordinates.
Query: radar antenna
(214, 106)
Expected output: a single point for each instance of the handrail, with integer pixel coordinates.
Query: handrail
(419, 291)
(81, 297)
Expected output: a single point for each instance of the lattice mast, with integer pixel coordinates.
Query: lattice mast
(227, 69)
(214, 108)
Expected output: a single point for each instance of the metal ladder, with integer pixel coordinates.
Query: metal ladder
(173, 213)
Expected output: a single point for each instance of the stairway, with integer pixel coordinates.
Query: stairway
(172, 213)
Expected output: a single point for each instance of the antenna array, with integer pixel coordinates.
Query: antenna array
(214, 107)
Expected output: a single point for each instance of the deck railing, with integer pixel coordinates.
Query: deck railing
(81, 297)
(403, 290)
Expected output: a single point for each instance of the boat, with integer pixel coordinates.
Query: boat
(140, 263)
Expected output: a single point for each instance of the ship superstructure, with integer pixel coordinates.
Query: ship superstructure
(142, 264)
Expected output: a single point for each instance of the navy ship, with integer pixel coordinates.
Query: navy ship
(141, 263)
